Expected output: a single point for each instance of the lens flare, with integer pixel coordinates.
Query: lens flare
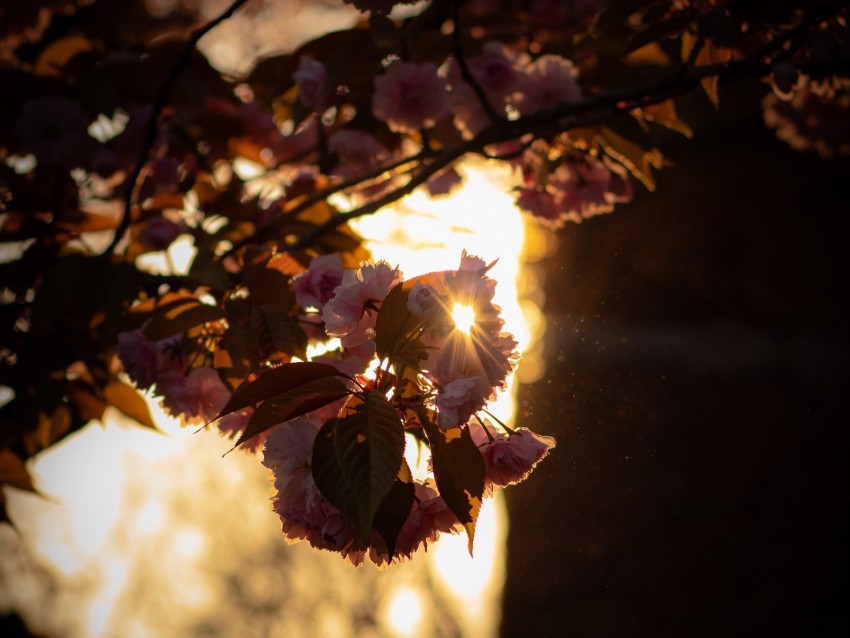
(464, 317)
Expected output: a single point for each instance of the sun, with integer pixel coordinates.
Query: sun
(464, 317)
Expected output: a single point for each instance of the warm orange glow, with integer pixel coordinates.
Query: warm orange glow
(464, 317)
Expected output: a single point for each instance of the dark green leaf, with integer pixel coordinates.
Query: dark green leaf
(356, 460)
(275, 381)
(294, 403)
(394, 509)
(393, 321)
(458, 469)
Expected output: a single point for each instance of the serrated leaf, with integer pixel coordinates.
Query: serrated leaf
(128, 401)
(395, 322)
(356, 460)
(458, 469)
(280, 334)
(395, 508)
(294, 403)
(275, 381)
(13, 471)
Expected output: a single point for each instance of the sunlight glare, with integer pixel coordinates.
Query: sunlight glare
(464, 317)
(404, 611)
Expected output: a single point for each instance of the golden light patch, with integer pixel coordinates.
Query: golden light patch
(464, 317)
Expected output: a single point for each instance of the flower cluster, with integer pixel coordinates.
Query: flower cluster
(575, 190)
(336, 429)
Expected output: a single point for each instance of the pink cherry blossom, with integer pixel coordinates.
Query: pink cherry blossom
(203, 394)
(140, 358)
(541, 204)
(460, 399)
(409, 97)
(429, 516)
(501, 75)
(550, 81)
(315, 286)
(510, 459)
(304, 513)
(310, 78)
(349, 314)
(422, 300)
(581, 187)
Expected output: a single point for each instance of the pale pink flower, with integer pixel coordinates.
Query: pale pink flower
(350, 313)
(550, 81)
(170, 384)
(460, 399)
(310, 78)
(510, 459)
(288, 452)
(541, 205)
(203, 395)
(422, 300)
(501, 75)
(499, 71)
(409, 97)
(315, 286)
(140, 358)
(303, 511)
(581, 187)
(429, 516)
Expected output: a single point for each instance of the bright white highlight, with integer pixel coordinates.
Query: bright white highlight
(464, 317)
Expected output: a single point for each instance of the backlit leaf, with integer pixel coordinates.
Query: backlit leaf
(294, 403)
(356, 460)
(128, 401)
(458, 469)
(395, 508)
(275, 381)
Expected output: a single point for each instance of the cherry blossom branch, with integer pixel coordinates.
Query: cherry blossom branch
(134, 180)
(559, 119)
(323, 194)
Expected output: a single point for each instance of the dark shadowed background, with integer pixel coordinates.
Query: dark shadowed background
(697, 360)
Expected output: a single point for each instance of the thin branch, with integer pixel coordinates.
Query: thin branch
(133, 181)
(457, 50)
(553, 121)
(321, 195)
